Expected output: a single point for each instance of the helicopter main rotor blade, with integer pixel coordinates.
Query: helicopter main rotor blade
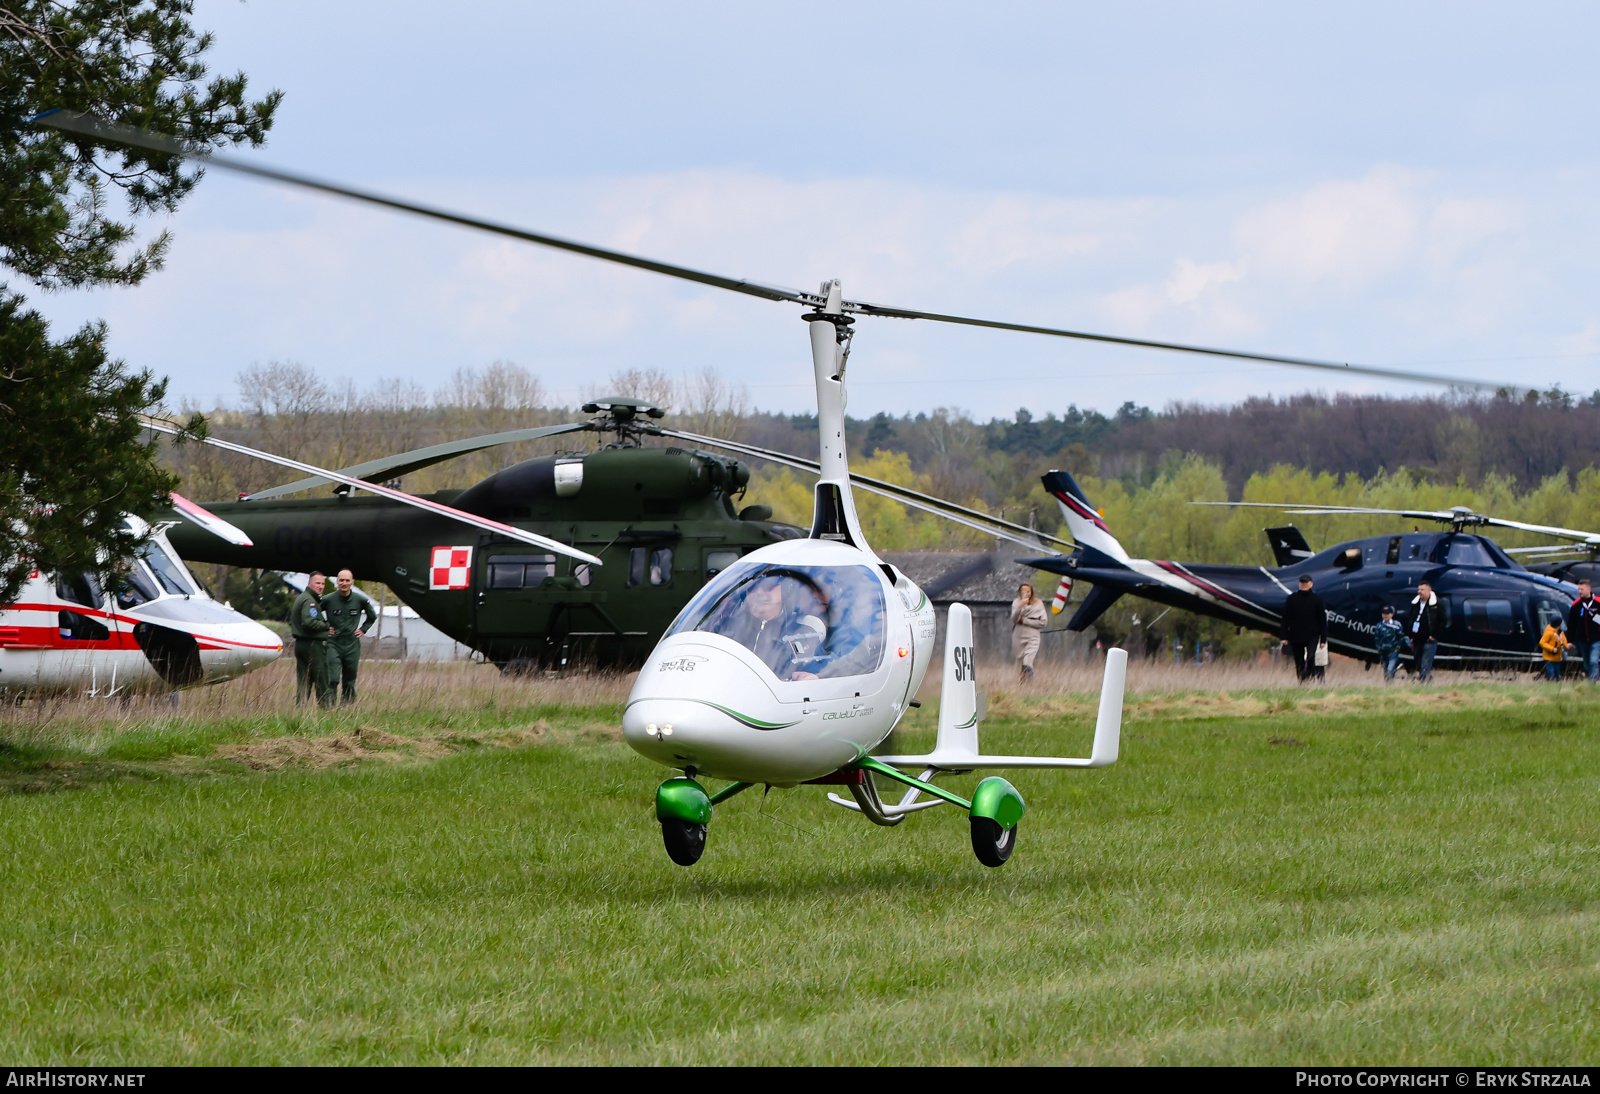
(111, 132)
(210, 521)
(412, 500)
(958, 514)
(403, 463)
(1443, 516)
(88, 126)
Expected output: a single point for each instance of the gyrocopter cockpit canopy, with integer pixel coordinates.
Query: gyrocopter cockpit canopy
(803, 622)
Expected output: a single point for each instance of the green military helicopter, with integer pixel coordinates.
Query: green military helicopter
(662, 520)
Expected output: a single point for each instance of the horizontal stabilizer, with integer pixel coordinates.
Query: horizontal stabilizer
(1107, 735)
(1100, 598)
(1289, 546)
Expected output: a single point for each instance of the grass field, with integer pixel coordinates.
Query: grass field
(467, 869)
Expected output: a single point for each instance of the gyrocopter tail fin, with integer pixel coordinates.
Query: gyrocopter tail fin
(958, 694)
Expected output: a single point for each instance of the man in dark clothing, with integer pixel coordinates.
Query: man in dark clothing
(349, 612)
(1305, 627)
(309, 626)
(1422, 631)
(1583, 628)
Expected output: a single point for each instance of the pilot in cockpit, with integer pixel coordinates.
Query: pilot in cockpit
(772, 623)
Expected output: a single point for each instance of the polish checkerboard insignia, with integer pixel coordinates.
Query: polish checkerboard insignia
(451, 568)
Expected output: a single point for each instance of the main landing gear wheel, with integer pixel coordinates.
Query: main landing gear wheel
(991, 843)
(686, 841)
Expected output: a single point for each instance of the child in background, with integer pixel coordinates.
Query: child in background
(1554, 644)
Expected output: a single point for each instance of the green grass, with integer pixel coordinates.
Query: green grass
(1393, 881)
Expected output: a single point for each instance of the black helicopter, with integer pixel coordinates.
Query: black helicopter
(1493, 609)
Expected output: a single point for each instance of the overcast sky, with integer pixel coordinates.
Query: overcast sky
(1385, 183)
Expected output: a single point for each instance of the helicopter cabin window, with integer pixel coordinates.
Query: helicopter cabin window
(76, 627)
(1349, 559)
(803, 622)
(520, 571)
(637, 558)
(717, 561)
(1548, 612)
(582, 573)
(81, 588)
(1489, 616)
(1394, 551)
(1467, 551)
(172, 576)
(661, 566)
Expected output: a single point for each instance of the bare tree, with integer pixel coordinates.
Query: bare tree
(713, 406)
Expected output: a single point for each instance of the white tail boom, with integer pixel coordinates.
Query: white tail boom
(956, 747)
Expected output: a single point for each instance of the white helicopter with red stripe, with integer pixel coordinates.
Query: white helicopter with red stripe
(159, 628)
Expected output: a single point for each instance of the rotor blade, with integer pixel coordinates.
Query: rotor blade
(111, 132)
(1300, 509)
(958, 514)
(84, 124)
(393, 495)
(210, 521)
(1547, 549)
(1590, 538)
(1444, 516)
(404, 463)
(859, 308)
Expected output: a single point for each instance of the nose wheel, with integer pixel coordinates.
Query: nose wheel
(684, 809)
(685, 841)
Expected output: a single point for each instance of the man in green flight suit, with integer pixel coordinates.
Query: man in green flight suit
(309, 626)
(350, 612)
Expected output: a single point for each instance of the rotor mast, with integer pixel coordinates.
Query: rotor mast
(835, 515)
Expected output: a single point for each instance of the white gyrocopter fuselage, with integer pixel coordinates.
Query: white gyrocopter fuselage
(793, 664)
(161, 630)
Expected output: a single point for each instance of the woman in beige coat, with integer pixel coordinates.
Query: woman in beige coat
(1028, 618)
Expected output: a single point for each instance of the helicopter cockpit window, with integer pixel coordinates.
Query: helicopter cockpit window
(804, 622)
(520, 571)
(169, 573)
(1467, 551)
(81, 588)
(134, 587)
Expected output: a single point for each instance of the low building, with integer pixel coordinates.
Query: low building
(986, 582)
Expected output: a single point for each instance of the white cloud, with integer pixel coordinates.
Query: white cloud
(1387, 266)
(1348, 232)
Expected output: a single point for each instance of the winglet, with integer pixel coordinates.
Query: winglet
(958, 692)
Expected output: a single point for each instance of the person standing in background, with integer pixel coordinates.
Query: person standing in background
(350, 612)
(1389, 638)
(1305, 627)
(1583, 630)
(1423, 630)
(1028, 618)
(310, 630)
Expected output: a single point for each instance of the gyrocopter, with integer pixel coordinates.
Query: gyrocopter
(792, 664)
